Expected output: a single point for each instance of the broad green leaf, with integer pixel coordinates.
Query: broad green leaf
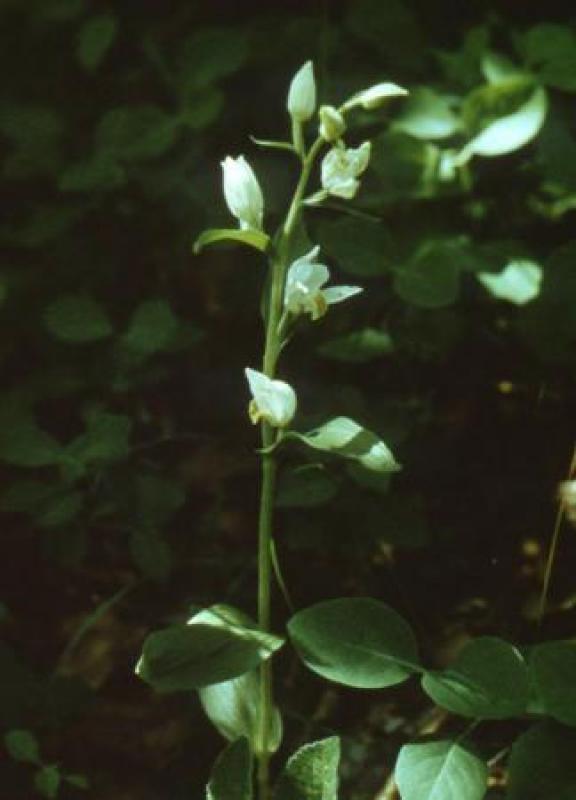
(553, 668)
(24, 444)
(214, 646)
(511, 132)
(233, 708)
(131, 133)
(311, 773)
(47, 781)
(151, 553)
(355, 641)
(305, 487)
(345, 437)
(152, 327)
(499, 69)
(232, 773)
(550, 49)
(252, 238)
(202, 108)
(428, 115)
(440, 771)
(209, 55)
(99, 173)
(488, 680)
(519, 283)
(77, 319)
(22, 745)
(360, 247)
(106, 439)
(542, 764)
(431, 278)
(59, 509)
(96, 37)
(358, 347)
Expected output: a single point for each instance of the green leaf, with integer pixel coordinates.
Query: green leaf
(542, 764)
(24, 444)
(77, 781)
(431, 278)
(99, 173)
(305, 487)
(488, 680)
(96, 37)
(214, 646)
(253, 238)
(152, 328)
(233, 708)
(106, 439)
(355, 641)
(496, 68)
(22, 745)
(345, 437)
(428, 115)
(553, 667)
(47, 781)
(360, 247)
(440, 771)
(311, 773)
(550, 49)
(131, 133)
(209, 55)
(60, 509)
(151, 554)
(358, 347)
(232, 773)
(511, 132)
(77, 319)
(519, 282)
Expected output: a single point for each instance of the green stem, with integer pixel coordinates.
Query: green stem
(272, 347)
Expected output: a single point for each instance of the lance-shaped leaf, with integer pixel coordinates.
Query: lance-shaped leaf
(212, 648)
(232, 773)
(355, 641)
(251, 237)
(311, 773)
(345, 437)
(440, 771)
(489, 680)
(553, 668)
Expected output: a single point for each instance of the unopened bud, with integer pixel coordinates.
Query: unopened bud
(332, 124)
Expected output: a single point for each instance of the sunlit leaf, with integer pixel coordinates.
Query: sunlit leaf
(252, 238)
(428, 115)
(311, 773)
(519, 283)
(442, 770)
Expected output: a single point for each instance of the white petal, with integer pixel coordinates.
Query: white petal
(336, 294)
(276, 400)
(518, 283)
(375, 95)
(242, 192)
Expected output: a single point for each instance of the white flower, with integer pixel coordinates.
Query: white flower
(242, 192)
(332, 124)
(273, 401)
(341, 168)
(374, 96)
(302, 93)
(303, 293)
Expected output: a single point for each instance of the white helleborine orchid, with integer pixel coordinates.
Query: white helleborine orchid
(341, 167)
(273, 401)
(332, 124)
(302, 94)
(374, 96)
(242, 192)
(304, 294)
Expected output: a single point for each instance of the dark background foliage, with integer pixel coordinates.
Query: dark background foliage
(129, 478)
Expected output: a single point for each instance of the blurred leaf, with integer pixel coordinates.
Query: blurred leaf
(95, 38)
(202, 108)
(403, 165)
(151, 554)
(344, 437)
(358, 347)
(47, 781)
(442, 769)
(30, 126)
(59, 509)
(462, 67)
(106, 439)
(542, 764)
(131, 133)
(360, 247)
(553, 667)
(256, 239)
(24, 444)
(519, 283)
(305, 487)
(100, 173)
(430, 279)
(77, 781)
(231, 777)
(22, 745)
(551, 50)
(311, 773)
(488, 680)
(355, 641)
(496, 68)
(152, 327)
(428, 115)
(391, 28)
(77, 319)
(209, 55)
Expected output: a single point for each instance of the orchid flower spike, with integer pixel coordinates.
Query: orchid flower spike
(303, 293)
(273, 401)
(242, 193)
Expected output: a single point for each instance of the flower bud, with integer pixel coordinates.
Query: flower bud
(242, 192)
(273, 401)
(332, 124)
(302, 94)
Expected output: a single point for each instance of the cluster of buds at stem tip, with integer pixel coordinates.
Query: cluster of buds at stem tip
(272, 401)
(303, 293)
(242, 193)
